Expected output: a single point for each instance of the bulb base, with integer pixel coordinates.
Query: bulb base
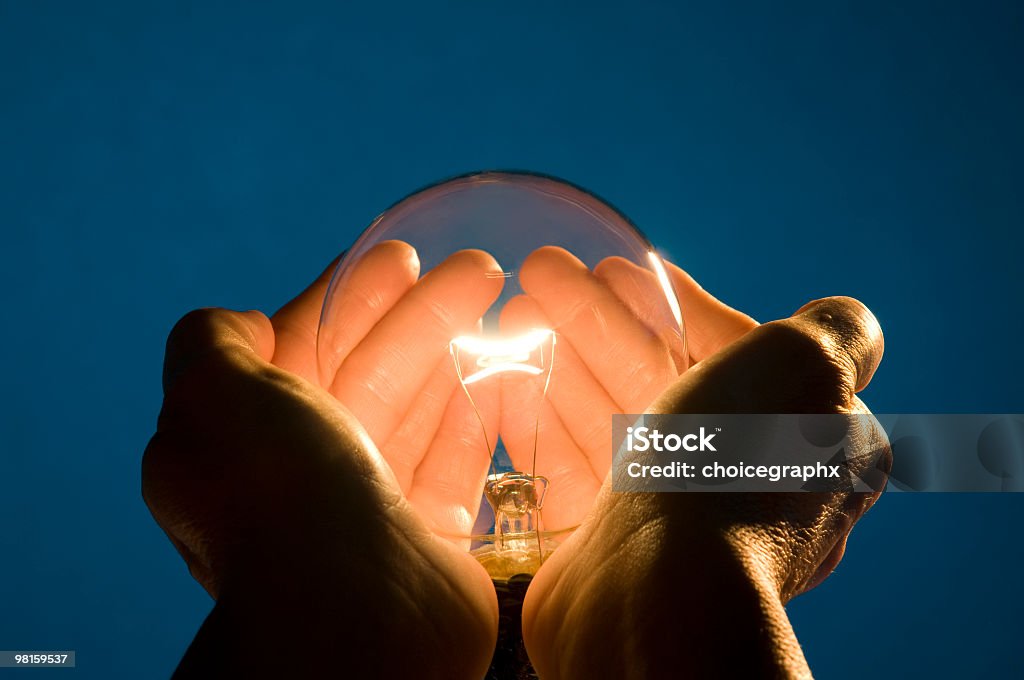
(531, 549)
(510, 661)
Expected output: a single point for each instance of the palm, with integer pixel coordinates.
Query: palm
(275, 497)
(387, 361)
(615, 354)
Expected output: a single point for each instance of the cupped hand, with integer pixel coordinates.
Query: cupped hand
(270, 482)
(618, 349)
(680, 582)
(384, 353)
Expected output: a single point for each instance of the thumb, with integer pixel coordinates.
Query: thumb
(206, 331)
(813, 362)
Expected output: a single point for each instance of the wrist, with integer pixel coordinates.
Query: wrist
(719, 594)
(379, 602)
(674, 591)
(738, 626)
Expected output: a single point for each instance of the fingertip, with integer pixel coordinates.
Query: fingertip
(692, 294)
(710, 323)
(399, 253)
(259, 333)
(211, 328)
(553, 254)
(610, 266)
(520, 313)
(681, 277)
(540, 263)
(477, 268)
(477, 259)
(855, 328)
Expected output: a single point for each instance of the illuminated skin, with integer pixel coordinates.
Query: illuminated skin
(600, 334)
(694, 585)
(287, 513)
(392, 369)
(312, 537)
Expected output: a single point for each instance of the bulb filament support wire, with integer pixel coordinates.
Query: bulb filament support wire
(494, 356)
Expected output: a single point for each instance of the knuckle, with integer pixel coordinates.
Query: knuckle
(823, 369)
(800, 342)
(198, 341)
(195, 326)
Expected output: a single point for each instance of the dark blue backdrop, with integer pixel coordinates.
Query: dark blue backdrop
(155, 159)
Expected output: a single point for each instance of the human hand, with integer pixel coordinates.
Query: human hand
(684, 580)
(284, 509)
(384, 354)
(617, 352)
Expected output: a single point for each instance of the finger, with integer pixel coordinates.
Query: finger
(203, 331)
(812, 362)
(579, 400)
(241, 441)
(407, 446)
(852, 326)
(639, 289)
(871, 455)
(449, 480)
(377, 281)
(630, 362)
(534, 423)
(380, 378)
(710, 323)
(160, 472)
(295, 328)
(572, 485)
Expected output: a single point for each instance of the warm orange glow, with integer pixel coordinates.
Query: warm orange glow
(501, 355)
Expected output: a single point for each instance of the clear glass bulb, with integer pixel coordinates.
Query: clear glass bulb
(578, 321)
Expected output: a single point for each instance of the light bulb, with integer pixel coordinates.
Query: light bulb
(560, 315)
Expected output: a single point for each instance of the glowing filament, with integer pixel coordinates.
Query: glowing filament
(501, 355)
(501, 368)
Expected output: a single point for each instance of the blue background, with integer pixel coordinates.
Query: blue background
(159, 157)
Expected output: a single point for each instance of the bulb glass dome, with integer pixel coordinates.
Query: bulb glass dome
(504, 317)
